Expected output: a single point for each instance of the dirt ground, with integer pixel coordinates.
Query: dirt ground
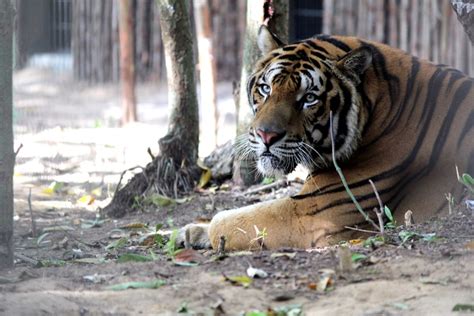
(69, 258)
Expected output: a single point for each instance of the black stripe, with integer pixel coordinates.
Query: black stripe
(319, 55)
(315, 46)
(455, 76)
(380, 67)
(434, 88)
(289, 48)
(415, 68)
(291, 57)
(467, 127)
(415, 102)
(315, 62)
(458, 99)
(337, 43)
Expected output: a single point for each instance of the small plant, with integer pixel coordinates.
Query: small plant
(406, 236)
(391, 220)
(451, 202)
(158, 238)
(466, 180)
(379, 212)
(170, 247)
(260, 236)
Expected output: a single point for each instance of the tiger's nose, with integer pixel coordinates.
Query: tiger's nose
(269, 137)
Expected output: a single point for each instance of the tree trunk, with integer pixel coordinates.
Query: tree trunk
(465, 12)
(174, 172)
(256, 13)
(207, 75)
(127, 64)
(181, 142)
(6, 135)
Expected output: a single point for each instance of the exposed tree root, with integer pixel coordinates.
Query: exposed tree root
(161, 176)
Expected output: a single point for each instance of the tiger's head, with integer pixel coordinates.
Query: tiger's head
(292, 92)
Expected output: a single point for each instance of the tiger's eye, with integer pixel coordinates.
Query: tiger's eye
(310, 98)
(265, 88)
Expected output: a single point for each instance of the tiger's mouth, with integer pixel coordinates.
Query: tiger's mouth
(271, 165)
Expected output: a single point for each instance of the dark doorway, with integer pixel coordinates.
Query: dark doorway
(306, 19)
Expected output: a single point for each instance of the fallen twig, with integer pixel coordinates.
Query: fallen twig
(33, 223)
(32, 261)
(266, 187)
(221, 247)
(378, 212)
(362, 230)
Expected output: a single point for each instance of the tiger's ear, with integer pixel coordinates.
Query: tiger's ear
(267, 41)
(356, 62)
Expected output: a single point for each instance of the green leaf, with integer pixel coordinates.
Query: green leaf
(183, 309)
(429, 237)
(374, 240)
(268, 180)
(53, 188)
(89, 260)
(358, 257)
(401, 306)
(406, 235)
(59, 228)
(51, 263)
(256, 313)
(41, 238)
(388, 213)
(127, 257)
(117, 244)
(170, 246)
(154, 284)
(467, 179)
(290, 310)
(463, 308)
(97, 222)
(185, 264)
(160, 200)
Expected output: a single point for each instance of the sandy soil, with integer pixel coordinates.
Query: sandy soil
(70, 257)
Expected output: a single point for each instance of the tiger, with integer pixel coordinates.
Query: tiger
(378, 112)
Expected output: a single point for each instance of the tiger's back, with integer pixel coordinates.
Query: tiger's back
(420, 120)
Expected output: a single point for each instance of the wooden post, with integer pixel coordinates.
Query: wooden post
(127, 65)
(7, 157)
(207, 75)
(243, 170)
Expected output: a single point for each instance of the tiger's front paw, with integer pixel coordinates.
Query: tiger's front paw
(194, 236)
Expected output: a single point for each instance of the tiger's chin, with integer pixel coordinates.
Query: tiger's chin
(273, 166)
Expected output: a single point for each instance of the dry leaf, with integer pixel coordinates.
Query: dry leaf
(189, 256)
(289, 255)
(86, 199)
(469, 245)
(134, 226)
(356, 242)
(241, 280)
(205, 178)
